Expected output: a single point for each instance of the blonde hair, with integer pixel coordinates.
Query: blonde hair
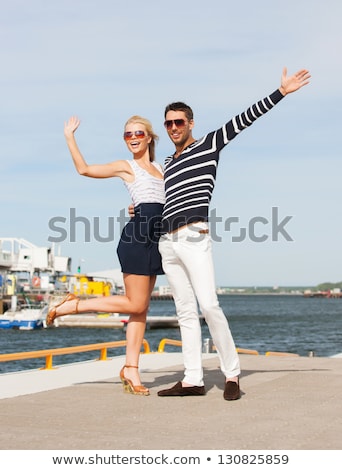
(145, 122)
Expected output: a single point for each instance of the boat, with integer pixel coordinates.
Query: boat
(27, 318)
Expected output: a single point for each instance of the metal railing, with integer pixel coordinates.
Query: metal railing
(49, 354)
(165, 341)
(175, 342)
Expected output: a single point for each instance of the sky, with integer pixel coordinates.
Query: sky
(277, 201)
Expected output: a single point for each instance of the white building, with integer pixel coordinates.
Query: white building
(19, 255)
(22, 260)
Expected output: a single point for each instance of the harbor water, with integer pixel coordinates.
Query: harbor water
(283, 323)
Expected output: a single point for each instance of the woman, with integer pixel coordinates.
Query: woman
(138, 247)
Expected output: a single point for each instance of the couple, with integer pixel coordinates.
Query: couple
(172, 204)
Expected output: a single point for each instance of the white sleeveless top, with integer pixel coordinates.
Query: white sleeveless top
(145, 187)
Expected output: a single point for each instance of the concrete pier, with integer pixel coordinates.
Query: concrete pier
(287, 403)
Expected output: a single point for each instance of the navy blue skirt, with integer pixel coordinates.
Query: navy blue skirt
(138, 247)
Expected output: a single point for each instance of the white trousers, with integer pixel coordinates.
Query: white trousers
(188, 264)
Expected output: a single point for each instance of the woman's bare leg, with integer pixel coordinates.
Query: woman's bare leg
(135, 302)
(135, 331)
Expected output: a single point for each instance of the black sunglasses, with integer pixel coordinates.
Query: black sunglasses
(177, 122)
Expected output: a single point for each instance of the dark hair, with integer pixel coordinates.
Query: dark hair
(180, 106)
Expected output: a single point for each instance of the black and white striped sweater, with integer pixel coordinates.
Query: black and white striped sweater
(190, 178)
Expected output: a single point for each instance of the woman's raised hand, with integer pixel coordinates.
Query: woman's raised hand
(71, 125)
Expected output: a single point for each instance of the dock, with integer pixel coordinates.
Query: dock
(287, 403)
(94, 320)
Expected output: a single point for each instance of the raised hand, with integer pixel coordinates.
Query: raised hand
(71, 126)
(294, 82)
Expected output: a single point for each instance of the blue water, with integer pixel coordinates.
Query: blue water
(261, 322)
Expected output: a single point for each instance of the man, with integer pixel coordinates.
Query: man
(185, 243)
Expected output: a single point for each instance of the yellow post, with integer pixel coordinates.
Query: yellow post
(146, 346)
(103, 354)
(48, 362)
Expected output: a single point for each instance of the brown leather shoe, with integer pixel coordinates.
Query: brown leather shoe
(232, 391)
(179, 391)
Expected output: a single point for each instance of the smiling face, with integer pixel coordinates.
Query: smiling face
(179, 128)
(136, 137)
